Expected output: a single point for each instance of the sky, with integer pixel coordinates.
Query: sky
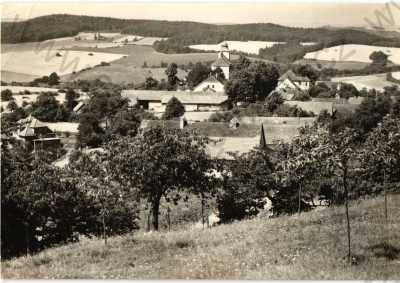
(289, 13)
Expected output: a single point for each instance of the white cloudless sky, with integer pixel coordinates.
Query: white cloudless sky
(291, 13)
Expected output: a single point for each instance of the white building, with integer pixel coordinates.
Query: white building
(211, 84)
(156, 101)
(223, 60)
(291, 81)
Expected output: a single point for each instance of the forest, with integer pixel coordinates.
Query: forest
(180, 34)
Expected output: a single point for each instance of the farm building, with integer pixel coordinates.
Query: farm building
(37, 134)
(223, 60)
(156, 101)
(211, 84)
(315, 107)
(290, 83)
(235, 136)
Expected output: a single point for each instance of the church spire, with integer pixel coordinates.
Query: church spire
(263, 143)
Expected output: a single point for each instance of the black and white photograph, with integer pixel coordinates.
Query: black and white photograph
(218, 140)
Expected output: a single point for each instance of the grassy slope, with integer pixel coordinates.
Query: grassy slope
(129, 69)
(310, 246)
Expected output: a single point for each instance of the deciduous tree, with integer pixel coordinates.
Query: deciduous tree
(159, 163)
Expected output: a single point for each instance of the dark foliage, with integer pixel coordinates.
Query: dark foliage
(174, 109)
(6, 95)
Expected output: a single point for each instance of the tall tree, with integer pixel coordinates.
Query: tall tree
(159, 163)
(197, 74)
(379, 58)
(381, 155)
(174, 109)
(89, 131)
(54, 79)
(70, 99)
(171, 72)
(252, 83)
(45, 108)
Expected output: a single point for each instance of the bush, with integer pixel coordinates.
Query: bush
(221, 116)
(174, 109)
(90, 133)
(243, 192)
(6, 95)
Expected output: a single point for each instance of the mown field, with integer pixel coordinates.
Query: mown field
(376, 81)
(340, 65)
(129, 68)
(309, 246)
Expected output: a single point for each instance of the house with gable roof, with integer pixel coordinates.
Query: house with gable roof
(290, 83)
(211, 84)
(157, 100)
(36, 134)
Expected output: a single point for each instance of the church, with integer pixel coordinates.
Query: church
(212, 84)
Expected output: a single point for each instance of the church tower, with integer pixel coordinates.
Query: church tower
(223, 60)
(224, 51)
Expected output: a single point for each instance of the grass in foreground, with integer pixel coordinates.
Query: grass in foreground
(309, 246)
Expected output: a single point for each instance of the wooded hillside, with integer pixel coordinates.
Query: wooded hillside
(180, 33)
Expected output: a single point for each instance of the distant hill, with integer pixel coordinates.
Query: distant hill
(180, 34)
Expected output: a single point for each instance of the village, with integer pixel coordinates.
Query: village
(132, 148)
(206, 98)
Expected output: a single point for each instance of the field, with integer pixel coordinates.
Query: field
(340, 65)
(19, 98)
(43, 63)
(129, 69)
(377, 81)
(353, 52)
(7, 76)
(149, 41)
(251, 47)
(309, 246)
(126, 60)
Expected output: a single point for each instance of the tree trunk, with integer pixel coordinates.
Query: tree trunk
(385, 194)
(386, 232)
(104, 227)
(346, 193)
(202, 210)
(168, 218)
(299, 207)
(155, 208)
(27, 239)
(148, 220)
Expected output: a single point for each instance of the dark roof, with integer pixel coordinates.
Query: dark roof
(169, 124)
(185, 97)
(225, 139)
(222, 129)
(210, 79)
(32, 122)
(221, 62)
(293, 77)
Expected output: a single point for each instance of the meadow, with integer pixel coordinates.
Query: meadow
(307, 246)
(44, 62)
(24, 62)
(250, 47)
(376, 81)
(353, 52)
(29, 95)
(340, 65)
(129, 69)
